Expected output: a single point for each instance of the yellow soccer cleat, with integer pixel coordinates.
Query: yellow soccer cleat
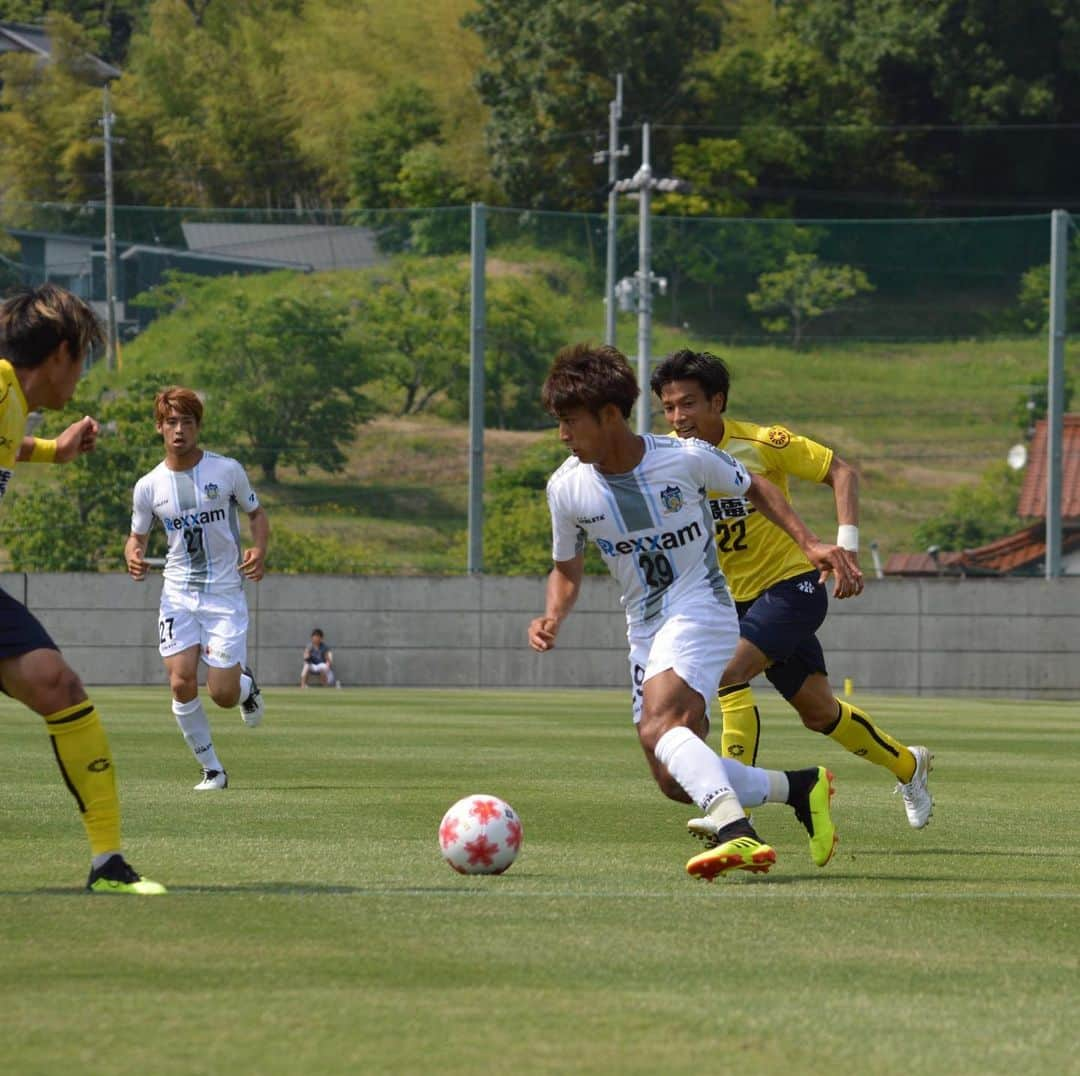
(812, 805)
(116, 875)
(738, 854)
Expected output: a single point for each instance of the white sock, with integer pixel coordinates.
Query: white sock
(195, 725)
(102, 858)
(751, 784)
(700, 771)
(245, 686)
(779, 787)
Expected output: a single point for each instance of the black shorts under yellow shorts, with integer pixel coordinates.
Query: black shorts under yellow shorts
(781, 622)
(20, 630)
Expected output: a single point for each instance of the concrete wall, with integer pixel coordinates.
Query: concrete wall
(1009, 637)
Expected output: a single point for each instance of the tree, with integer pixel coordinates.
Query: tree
(517, 526)
(526, 325)
(976, 514)
(415, 320)
(405, 116)
(48, 122)
(802, 291)
(549, 72)
(204, 109)
(107, 24)
(1034, 297)
(398, 159)
(284, 378)
(78, 520)
(694, 238)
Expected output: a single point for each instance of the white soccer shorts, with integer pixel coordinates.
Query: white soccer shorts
(696, 644)
(216, 623)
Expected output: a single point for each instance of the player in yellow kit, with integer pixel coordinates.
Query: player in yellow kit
(45, 334)
(780, 599)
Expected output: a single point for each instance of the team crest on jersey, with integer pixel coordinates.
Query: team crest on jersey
(672, 499)
(779, 437)
(211, 491)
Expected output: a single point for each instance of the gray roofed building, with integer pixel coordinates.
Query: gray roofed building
(317, 245)
(21, 37)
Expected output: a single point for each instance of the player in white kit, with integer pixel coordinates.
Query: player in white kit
(198, 496)
(642, 501)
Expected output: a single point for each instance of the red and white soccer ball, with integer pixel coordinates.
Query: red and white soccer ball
(480, 835)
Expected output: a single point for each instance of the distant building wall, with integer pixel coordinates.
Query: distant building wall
(997, 637)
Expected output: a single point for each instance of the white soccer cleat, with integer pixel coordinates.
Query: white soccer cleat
(212, 781)
(918, 802)
(706, 830)
(251, 709)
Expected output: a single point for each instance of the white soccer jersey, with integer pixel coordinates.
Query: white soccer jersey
(653, 526)
(199, 510)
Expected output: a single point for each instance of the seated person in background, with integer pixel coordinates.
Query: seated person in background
(319, 658)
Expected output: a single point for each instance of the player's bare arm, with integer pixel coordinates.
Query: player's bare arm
(253, 564)
(828, 559)
(78, 438)
(135, 556)
(844, 480)
(563, 587)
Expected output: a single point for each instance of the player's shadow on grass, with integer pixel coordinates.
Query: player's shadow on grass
(948, 852)
(247, 888)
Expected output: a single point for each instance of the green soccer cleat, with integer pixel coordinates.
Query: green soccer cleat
(738, 854)
(812, 803)
(116, 875)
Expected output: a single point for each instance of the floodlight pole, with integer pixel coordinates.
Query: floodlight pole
(642, 185)
(477, 333)
(1055, 390)
(107, 121)
(644, 327)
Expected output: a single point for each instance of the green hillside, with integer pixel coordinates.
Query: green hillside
(917, 420)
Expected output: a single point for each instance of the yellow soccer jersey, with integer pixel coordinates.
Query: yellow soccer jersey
(12, 422)
(754, 553)
(13, 411)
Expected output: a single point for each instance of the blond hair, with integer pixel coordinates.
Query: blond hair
(182, 401)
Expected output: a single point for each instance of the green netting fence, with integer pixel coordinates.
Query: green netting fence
(924, 373)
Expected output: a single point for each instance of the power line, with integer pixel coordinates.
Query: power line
(861, 127)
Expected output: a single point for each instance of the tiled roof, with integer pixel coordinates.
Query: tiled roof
(1013, 554)
(1033, 493)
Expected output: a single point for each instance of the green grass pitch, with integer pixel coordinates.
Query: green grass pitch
(312, 926)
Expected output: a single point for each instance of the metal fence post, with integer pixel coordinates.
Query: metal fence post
(644, 335)
(1055, 389)
(477, 330)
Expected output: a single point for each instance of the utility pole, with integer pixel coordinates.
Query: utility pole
(641, 187)
(612, 155)
(107, 121)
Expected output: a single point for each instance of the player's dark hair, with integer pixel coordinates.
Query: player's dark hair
(710, 372)
(34, 322)
(182, 401)
(589, 377)
(318, 632)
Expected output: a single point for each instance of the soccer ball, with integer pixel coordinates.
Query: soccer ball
(480, 835)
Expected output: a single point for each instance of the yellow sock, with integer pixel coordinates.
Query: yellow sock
(855, 731)
(82, 752)
(742, 724)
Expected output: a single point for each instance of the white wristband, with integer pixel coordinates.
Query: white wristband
(847, 537)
